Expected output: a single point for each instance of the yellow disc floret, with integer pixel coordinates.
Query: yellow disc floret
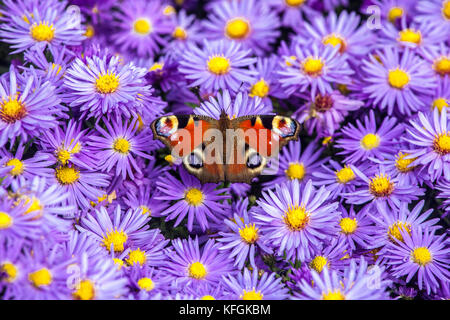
(422, 256)
(121, 145)
(197, 270)
(441, 143)
(67, 175)
(348, 225)
(442, 65)
(237, 28)
(179, 33)
(397, 78)
(12, 110)
(218, 65)
(296, 218)
(334, 40)
(381, 185)
(251, 295)
(295, 171)
(446, 9)
(107, 83)
(249, 233)
(17, 165)
(115, 238)
(146, 284)
(42, 31)
(333, 295)
(259, 89)
(312, 66)
(40, 278)
(396, 229)
(440, 103)
(85, 291)
(136, 257)
(410, 35)
(294, 3)
(10, 270)
(404, 165)
(345, 175)
(395, 13)
(318, 263)
(142, 26)
(6, 220)
(370, 141)
(194, 197)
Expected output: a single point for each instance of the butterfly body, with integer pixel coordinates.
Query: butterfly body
(234, 150)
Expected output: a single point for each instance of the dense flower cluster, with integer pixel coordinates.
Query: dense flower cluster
(93, 207)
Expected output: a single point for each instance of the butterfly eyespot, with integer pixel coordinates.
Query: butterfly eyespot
(283, 126)
(254, 160)
(166, 126)
(194, 161)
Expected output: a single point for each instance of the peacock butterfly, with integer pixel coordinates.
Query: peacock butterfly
(234, 150)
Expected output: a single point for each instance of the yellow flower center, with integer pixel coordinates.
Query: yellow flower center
(318, 263)
(6, 220)
(90, 31)
(42, 31)
(168, 10)
(441, 143)
(179, 33)
(40, 278)
(146, 284)
(381, 186)
(290, 60)
(136, 257)
(251, 295)
(156, 67)
(237, 28)
(63, 156)
(208, 297)
(260, 89)
(12, 110)
(10, 270)
(294, 3)
(296, 218)
(295, 171)
(107, 83)
(35, 206)
(115, 238)
(442, 65)
(398, 78)
(249, 233)
(194, 197)
(410, 35)
(333, 295)
(197, 270)
(86, 290)
(402, 164)
(17, 166)
(446, 10)
(312, 67)
(395, 13)
(146, 210)
(345, 175)
(348, 225)
(142, 26)
(334, 40)
(422, 256)
(118, 262)
(440, 103)
(67, 175)
(121, 145)
(218, 65)
(396, 229)
(370, 141)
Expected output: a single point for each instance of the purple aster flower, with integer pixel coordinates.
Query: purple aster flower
(81, 184)
(265, 84)
(29, 110)
(199, 202)
(12, 269)
(254, 286)
(68, 144)
(118, 146)
(429, 135)
(357, 228)
(219, 65)
(241, 239)
(438, 59)
(362, 141)
(101, 85)
(144, 198)
(332, 256)
(338, 179)
(146, 282)
(98, 279)
(190, 266)
(434, 12)
(293, 11)
(116, 232)
(295, 164)
(253, 25)
(423, 253)
(394, 10)
(343, 31)
(13, 167)
(359, 282)
(140, 26)
(295, 219)
(393, 223)
(324, 113)
(207, 292)
(239, 106)
(381, 187)
(186, 30)
(315, 68)
(397, 80)
(81, 243)
(414, 36)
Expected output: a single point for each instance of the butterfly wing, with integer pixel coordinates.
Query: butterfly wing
(256, 140)
(189, 137)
